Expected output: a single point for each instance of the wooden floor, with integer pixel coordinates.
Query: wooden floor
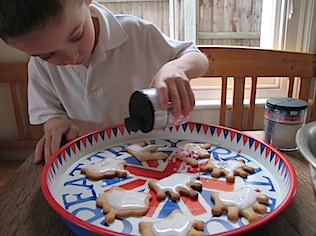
(7, 169)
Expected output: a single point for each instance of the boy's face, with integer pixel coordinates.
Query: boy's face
(70, 41)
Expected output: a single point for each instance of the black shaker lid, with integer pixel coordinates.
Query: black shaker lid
(141, 113)
(285, 103)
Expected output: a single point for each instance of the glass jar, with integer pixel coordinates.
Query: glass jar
(283, 117)
(147, 115)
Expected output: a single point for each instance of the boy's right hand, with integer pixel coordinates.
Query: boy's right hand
(56, 131)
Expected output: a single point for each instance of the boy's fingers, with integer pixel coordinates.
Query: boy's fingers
(163, 97)
(72, 133)
(175, 100)
(191, 97)
(186, 98)
(47, 147)
(39, 150)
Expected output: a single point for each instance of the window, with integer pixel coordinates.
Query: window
(231, 23)
(279, 24)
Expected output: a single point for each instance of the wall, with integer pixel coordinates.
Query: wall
(210, 114)
(10, 54)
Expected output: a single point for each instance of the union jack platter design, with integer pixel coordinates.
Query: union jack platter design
(73, 196)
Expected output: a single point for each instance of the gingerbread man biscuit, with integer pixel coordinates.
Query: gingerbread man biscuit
(230, 169)
(175, 224)
(176, 185)
(106, 168)
(145, 153)
(190, 152)
(118, 202)
(245, 202)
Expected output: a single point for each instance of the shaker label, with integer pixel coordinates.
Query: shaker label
(284, 116)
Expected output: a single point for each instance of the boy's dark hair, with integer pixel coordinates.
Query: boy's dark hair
(18, 17)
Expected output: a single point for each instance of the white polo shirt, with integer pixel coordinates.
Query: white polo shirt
(130, 51)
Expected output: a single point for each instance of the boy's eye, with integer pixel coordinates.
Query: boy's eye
(78, 38)
(47, 57)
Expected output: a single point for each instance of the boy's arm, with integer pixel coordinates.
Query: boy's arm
(56, 132)
(194, 64)
(173, 82)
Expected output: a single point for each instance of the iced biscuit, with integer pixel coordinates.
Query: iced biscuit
(190, 152)
(199, 148)
(145, 153)
(118, 202)
(229, 168)
(175, 224)
(176, 185)
(106, 168)
(245, 202)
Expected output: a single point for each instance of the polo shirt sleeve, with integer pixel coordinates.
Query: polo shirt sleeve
(43, 104)
(162, 45)
(160, 48)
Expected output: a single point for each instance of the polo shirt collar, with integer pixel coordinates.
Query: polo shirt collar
(111, 32)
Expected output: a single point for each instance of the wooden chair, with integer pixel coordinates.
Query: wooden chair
(241, 62)
(15, 75)
(225, 62)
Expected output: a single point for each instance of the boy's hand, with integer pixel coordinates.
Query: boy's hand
(173, 82)
(56, 131)
(173, 86)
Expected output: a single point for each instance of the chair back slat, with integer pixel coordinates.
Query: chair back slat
(252, 103)
(15, 75)
(17, 110)
(313, 106)
(242, 62)
(222, 115)
(238, 101)
(290, 86)
(304, 88)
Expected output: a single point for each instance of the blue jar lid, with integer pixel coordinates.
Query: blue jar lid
(284, 103)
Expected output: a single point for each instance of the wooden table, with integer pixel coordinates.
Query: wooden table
(24, 210)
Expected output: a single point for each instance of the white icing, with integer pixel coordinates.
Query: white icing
(178, 225)
(242, 198)
(151, 147)
(106, 165)
(187, 152)
(141, 150)
(230, 166)
(125, 200)
(177, 180)
(196, 147)
(103, 184)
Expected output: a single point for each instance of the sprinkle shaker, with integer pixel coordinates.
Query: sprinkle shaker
(147, 115)
(283, 117)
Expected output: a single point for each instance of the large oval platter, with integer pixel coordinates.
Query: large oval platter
(73, 196)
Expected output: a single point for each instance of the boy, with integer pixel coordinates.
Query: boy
(86, 62)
